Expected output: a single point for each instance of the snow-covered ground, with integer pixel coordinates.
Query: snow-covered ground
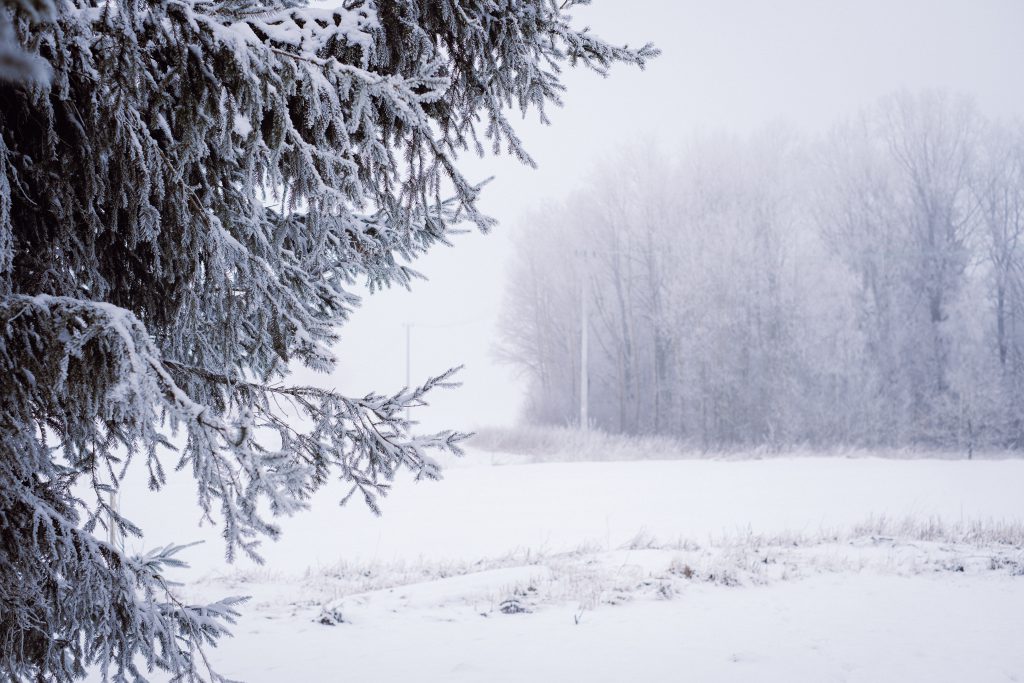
(832, 627)
(777, 569)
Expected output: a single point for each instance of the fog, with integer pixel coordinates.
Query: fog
(731, 67)
(742, 357)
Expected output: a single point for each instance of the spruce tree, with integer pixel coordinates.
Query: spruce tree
(189, 192)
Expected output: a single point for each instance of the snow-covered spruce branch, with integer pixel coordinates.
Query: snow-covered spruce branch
(73, 602)
(365, 439)
(145, 283)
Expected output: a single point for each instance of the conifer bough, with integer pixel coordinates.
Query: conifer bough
(189, 190)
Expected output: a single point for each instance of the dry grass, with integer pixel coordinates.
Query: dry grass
(568, 444)
(590, 575)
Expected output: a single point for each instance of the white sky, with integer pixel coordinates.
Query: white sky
(730, 65)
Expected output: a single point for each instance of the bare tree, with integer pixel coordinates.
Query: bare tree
(862, 289)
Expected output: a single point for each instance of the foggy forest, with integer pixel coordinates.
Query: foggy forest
(501, 341)
(864, 288)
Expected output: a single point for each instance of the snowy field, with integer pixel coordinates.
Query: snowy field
(780, 569)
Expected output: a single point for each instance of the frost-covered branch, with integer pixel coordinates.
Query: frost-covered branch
(189, 192)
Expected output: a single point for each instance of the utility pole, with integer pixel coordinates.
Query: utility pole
(408, 363)
(113, 532)
(584, 344)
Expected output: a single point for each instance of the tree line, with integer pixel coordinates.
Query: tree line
(865, 287)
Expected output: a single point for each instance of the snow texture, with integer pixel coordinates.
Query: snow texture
(777, 570)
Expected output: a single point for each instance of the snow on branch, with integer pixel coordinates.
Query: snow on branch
(187, 197)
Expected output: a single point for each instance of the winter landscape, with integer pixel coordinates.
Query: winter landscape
(771, 568)
(540, 340)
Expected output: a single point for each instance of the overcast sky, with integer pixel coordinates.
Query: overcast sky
(727, 65)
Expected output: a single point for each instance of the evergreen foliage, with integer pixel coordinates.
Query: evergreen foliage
(189, 189)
